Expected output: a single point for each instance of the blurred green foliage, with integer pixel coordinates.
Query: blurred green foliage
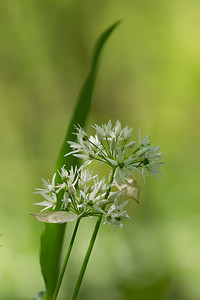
(149, 79)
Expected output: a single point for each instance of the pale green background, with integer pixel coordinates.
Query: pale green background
(149, 78)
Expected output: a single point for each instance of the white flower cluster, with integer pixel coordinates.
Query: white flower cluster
(111, 145)
(82, 193)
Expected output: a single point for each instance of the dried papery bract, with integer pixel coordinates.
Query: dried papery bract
(57, 217)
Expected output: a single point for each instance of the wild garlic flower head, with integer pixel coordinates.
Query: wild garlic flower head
(82, 194)
(111, 145)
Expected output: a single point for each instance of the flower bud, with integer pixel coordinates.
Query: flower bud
(118, 129)
(89, 189)
(113, 144)
(130, 145)
(71, 188)
(128, 133)
(100, 133)
(81, 185)
(51, 188)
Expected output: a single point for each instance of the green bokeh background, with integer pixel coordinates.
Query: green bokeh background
(149, 78)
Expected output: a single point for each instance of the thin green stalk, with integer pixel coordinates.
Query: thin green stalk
(86, 259)
(90, 247)
(56, 291)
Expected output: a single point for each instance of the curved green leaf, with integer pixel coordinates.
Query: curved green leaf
(52, 237)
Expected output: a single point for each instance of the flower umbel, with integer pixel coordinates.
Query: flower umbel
(111, 145)
(83, 193)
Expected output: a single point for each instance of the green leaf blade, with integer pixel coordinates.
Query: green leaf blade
(84, 100)
(52, 237)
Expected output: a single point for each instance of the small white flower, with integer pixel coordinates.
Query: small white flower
(73, 175)
(71, 188)
(95, 141)
(127, 133)
(50, 202)
(100, 132)
(125, 171)
(64, 173)
(143, 142)
(65, 201)
(85, 178)
(118, 129)
(93, 199)
(116, 214)
(113, 144)
(81, 134)
(107, 127)
(48, 186)
(151, 162)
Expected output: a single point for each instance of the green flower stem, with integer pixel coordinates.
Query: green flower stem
(86, 259)
(65, 261)
(90, 247)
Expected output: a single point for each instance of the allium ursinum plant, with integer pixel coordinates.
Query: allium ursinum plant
(84, 194)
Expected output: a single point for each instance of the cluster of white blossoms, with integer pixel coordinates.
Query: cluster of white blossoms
(81, 192)
(111, 145)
